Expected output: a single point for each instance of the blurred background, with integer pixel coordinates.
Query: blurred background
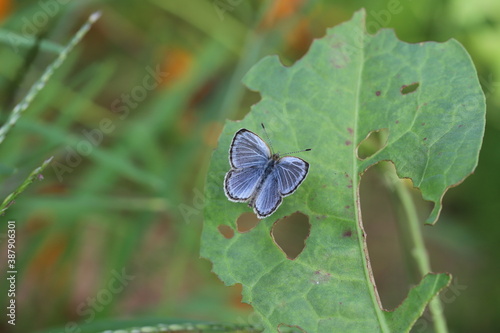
(131, 118)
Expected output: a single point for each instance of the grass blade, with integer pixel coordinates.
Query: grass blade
(34, 174)
(35, 89)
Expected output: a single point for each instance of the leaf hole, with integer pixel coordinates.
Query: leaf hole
(373, 143)
(226, 231)
(408, 89)
(290, 234)
(387, 232)
(246, 222)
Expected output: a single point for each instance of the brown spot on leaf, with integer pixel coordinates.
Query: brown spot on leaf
(290, 326)
(320, 277)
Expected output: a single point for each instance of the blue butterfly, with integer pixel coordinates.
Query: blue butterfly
(260, 177)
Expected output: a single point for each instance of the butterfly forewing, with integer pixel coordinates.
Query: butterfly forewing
(248, 150)
(290, 172)
(240, 184)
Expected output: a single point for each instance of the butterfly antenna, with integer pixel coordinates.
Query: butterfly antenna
(267, 136)
(295, 152)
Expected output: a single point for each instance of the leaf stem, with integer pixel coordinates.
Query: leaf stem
(412, 233)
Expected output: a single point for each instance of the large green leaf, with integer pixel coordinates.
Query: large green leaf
(349, 84)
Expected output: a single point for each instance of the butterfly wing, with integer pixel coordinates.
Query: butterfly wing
(290, 172)
(268, 199)
(248, 150)
(240, 184)
(248, 157)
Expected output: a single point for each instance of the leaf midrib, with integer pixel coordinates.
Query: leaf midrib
(370, 281)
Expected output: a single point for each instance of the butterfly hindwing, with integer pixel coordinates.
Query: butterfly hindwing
(290, 172)
(248, 150)
(268, 199)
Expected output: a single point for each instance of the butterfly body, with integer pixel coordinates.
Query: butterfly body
(259, 177)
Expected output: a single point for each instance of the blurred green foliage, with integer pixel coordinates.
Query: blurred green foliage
(131, 203)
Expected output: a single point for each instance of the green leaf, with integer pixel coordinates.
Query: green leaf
(349, 84)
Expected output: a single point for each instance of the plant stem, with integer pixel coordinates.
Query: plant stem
(35, 88)
(417, 250)
(31, 178)
(186, 326)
